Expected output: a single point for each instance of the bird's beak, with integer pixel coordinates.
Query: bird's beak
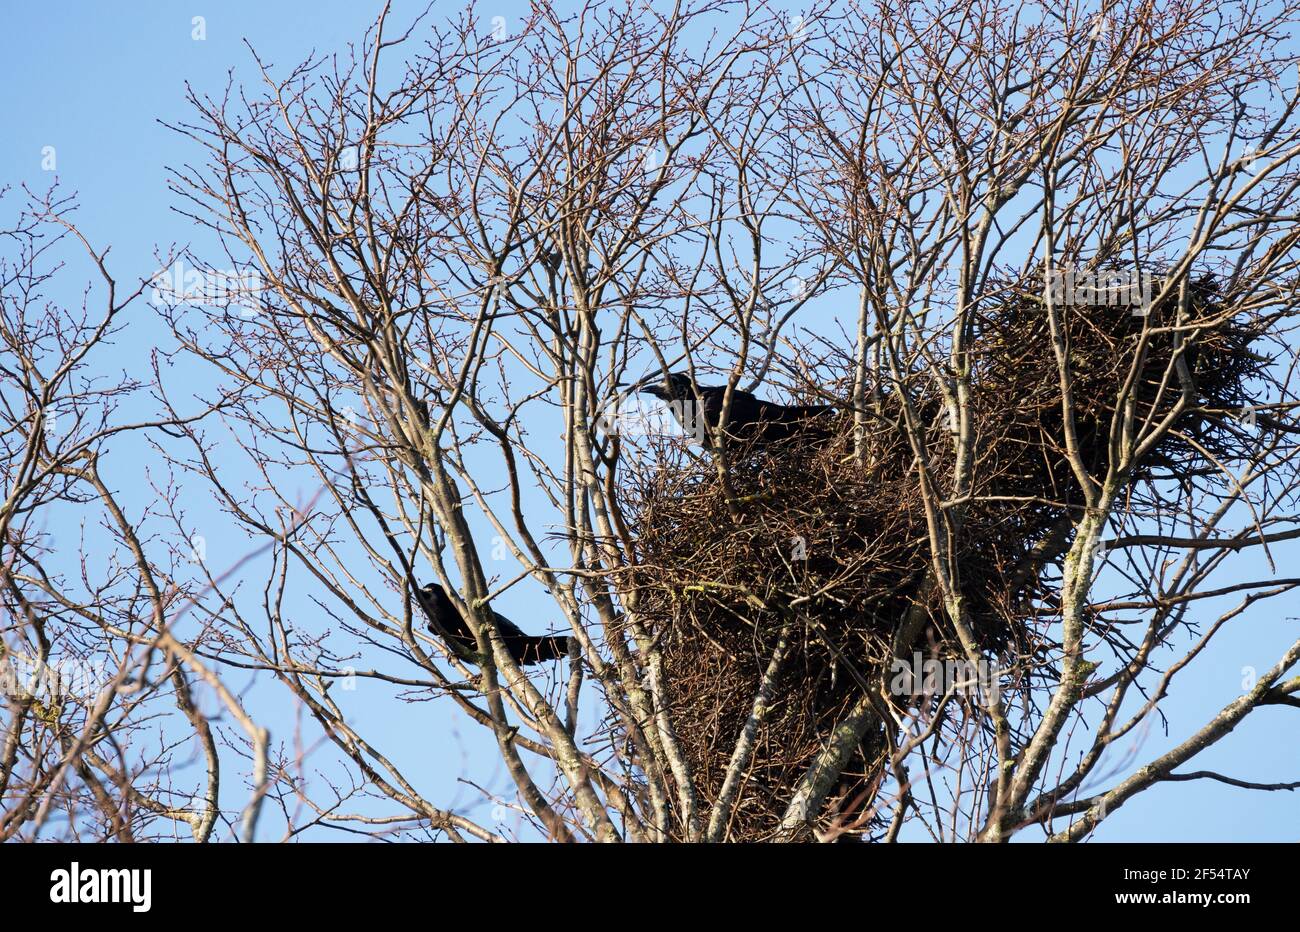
(644, 386)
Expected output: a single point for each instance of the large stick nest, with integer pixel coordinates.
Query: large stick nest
(831, 544)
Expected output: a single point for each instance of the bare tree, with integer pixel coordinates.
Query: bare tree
(90, 659)
(469, 238)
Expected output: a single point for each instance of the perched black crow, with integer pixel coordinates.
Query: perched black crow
(749, 418)
(524, 648)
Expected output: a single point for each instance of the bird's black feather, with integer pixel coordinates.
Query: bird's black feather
(525, 649)
(748, 418)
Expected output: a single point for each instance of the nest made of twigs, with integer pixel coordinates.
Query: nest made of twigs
(827, 545)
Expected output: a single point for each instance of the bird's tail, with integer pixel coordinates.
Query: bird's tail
(531, 649)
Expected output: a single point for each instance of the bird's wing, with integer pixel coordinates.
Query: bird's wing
(507, 627)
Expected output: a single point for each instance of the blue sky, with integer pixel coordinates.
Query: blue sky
(96, 81)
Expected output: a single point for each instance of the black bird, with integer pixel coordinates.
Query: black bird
(749, 418)
(524, 648)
